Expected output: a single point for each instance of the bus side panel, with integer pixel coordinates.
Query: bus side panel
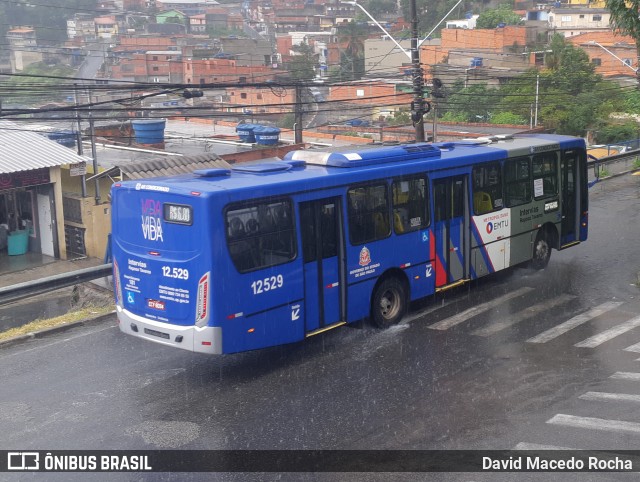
(422, 280)
(269, 328)
(359, 299)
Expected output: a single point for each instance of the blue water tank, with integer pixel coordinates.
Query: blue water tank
(476, 62)
(245, 132)
(267, 136)
(65, 137)
(149, 131)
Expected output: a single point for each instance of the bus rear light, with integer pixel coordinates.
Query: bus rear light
(251, 330)
(206, 343)
(202, 301)
(116, 280)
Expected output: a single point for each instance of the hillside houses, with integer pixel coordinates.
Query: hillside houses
(205, 42)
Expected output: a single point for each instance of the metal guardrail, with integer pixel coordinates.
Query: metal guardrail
(19, 291)
(619, 164)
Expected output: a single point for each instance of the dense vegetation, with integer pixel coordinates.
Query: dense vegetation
(48, 18)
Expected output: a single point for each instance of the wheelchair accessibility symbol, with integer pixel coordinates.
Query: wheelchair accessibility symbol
(130, 297)
(425, 237)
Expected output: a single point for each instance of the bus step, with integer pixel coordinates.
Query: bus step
(568, 245)
(452, 285)
(325, 328)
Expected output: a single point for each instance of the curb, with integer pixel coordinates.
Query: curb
(55, 329)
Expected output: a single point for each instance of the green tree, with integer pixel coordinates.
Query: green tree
(625, 20)
(352, 57)
(302, 65)
(380, 7)
(491, 18)
(431, 14)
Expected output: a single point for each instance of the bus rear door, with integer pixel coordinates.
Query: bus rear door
(322, 247)
(451, 229)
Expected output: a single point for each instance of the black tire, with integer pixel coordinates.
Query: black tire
(389, 303)
(541, 252)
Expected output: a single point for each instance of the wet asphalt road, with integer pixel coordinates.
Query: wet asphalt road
(445, 378)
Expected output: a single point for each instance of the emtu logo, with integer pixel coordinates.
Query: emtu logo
(489, 228)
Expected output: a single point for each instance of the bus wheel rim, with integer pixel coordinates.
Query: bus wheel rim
(389, 304)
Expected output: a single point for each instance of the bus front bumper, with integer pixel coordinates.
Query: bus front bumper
(207, 339)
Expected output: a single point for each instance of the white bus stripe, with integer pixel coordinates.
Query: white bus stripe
(595, 423)
(528, 312)
(626, 376)
(609, 334)
(614, 397)
(578, 320)
(530, 446)
(476, 310)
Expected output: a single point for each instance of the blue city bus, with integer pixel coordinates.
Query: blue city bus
(267, 253)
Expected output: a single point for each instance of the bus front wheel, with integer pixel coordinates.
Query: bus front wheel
(541, 252)
(389, 303)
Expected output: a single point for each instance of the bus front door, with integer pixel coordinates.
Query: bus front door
(570, 209)
(322, 247)
(451, 230)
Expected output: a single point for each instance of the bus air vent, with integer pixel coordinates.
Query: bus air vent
(364, 156)
(213, 172)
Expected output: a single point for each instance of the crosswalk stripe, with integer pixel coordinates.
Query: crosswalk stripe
(522, 315)
(633, 348)
(594, 423)
(476, 310)
(614, 397)
(626, 376)
(578, 320)
(609, 334)
(530, 446)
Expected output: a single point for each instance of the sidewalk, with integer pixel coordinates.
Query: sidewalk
(34, 266)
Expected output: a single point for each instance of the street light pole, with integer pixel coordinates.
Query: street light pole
(417, 106)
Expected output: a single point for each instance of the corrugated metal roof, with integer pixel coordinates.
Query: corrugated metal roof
(169, 166)
(22, 150)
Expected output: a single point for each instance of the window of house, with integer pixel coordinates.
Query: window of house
(259, 96)
(243, 95)
(566, 18)
(155, 69)
(597, 18)
(155, 57)
(596, 61)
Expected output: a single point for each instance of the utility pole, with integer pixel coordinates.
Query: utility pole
(93, 150)
(418, 104)
(297, 126)
(79, 140)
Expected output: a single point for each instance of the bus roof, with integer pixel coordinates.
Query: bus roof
(313, 169)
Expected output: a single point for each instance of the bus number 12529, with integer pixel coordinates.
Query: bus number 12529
(267, 253)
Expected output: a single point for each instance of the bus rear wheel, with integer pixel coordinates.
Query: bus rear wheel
(389, 303)
(541, 252)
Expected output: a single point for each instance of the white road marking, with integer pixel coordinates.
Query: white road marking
(578, 320)
(528, 312)
(609, 334)
(476, 310)
(594, 423)
(529, 446)
(613, 397)
(633, 348)
(626, 376)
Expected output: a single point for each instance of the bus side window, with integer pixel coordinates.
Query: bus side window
(410, 211)
(487, 188)
(264, 239)
(517, 181)
(368, 210)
